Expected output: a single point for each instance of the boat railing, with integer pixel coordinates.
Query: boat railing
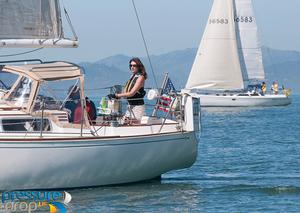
(114, 115)
(110, 110)
(25, 61)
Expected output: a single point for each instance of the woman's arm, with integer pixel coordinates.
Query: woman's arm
(138, 85)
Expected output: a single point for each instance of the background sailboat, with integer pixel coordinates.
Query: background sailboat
(229, 59)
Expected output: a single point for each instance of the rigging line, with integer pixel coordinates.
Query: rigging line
(22, 53)
(3, 85)
(137, 16)
(69, 22)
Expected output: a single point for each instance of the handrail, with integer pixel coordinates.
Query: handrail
(42, 118)
(19, 61)
(165, 118)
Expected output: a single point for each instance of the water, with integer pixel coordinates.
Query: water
(248, 161)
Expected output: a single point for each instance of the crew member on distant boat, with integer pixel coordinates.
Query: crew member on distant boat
(285, 91)
(274, 88)
(263, 87)
(134, 92)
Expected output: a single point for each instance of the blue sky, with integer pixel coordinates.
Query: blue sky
(109, 27)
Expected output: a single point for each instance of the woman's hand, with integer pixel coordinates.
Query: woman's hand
(112, 96)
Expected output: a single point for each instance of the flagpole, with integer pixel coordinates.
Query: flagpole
(154, 113)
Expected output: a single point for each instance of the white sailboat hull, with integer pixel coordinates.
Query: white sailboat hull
(213, 100)
(68, 163)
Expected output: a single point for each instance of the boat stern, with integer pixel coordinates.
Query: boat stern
(192, 115)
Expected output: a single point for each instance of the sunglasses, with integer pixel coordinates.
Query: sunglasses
(133, 65)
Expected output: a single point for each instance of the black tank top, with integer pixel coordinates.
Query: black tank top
(137, 99)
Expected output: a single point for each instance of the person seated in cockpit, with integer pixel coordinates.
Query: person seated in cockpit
(72, 101)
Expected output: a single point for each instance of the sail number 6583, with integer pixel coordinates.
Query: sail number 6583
(243, 19)
(218, 21)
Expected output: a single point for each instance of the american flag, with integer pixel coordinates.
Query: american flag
(169, 87)
(164, 103)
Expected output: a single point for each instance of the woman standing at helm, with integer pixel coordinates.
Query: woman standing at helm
(134, 91)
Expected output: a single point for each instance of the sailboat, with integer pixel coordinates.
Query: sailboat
(41, 148)
(229, 59)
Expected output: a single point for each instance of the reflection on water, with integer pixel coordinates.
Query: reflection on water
(150, 196)
(230, 110)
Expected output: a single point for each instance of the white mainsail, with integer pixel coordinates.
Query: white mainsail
(249, 48)
(229, 55)
(217, 65)
(32, 23)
